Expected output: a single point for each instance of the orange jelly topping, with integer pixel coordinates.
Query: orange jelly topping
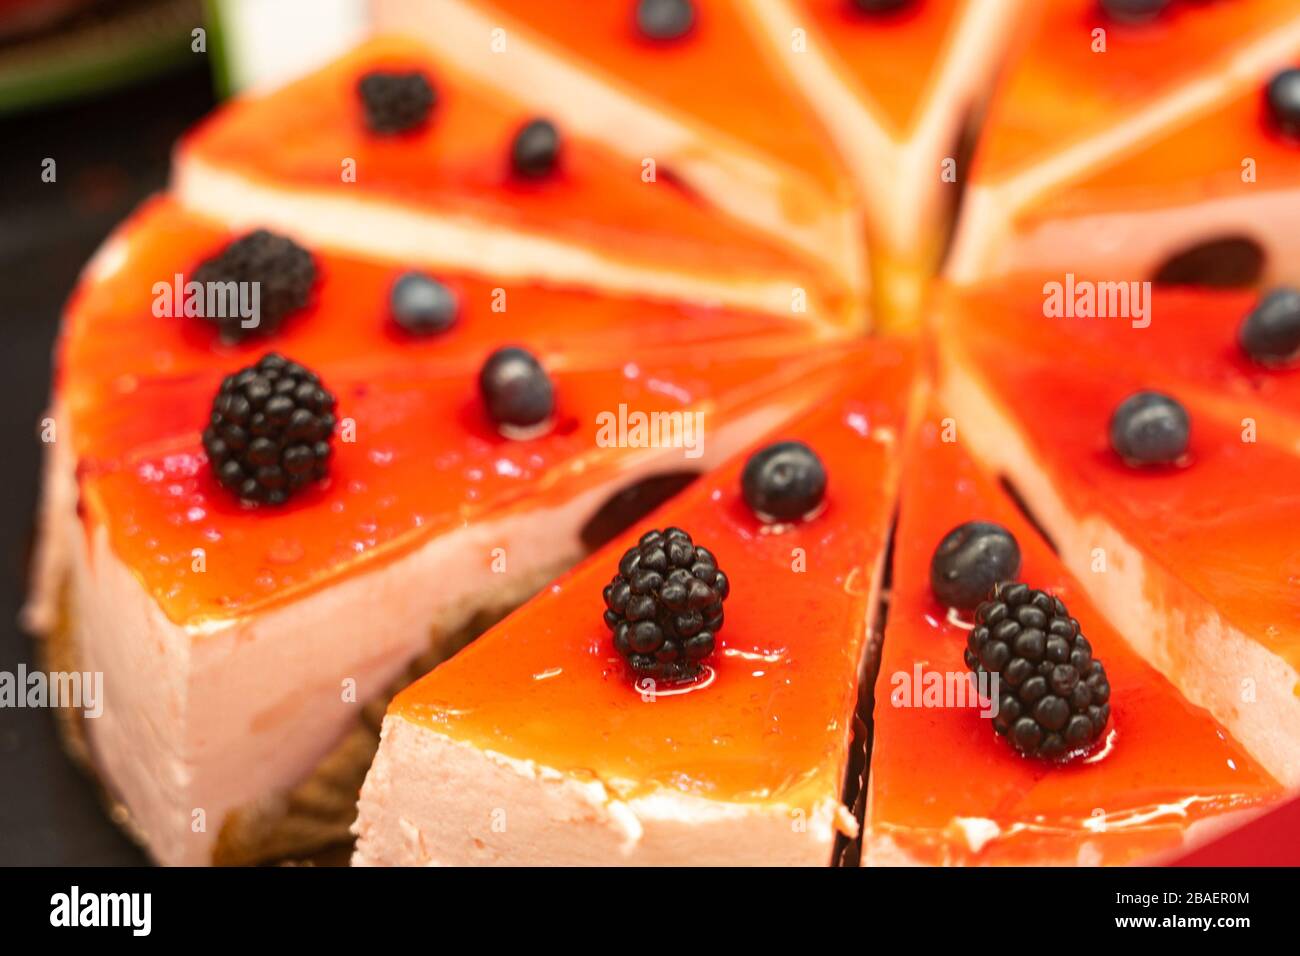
(772, 723)
(944, 788)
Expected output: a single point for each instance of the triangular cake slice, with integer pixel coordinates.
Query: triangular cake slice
(449, 192)
(240, 643)
(899, 87)
(1165, 775)
(1193, 562)
(701, 97)
(1084, 92)
(1182, 339)
(538, 744)
(1213, 200)
(126, 318)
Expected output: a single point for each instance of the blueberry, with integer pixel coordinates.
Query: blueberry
(1149, 428)
(515, 388)
(664, 19)
(970, 559)
(536, 149)
(421, 304)
(1133, 11)
(1283, 97)
(784, 481)
(1270, 333)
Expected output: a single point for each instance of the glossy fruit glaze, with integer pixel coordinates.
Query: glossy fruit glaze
(458, 165)
(892, 58)
(1222, 523)
(1201, 161)
(773, 726)
(1057, 92)
(746, 97)
(135, 390)
(941, 779)
(112, 340)
(1189, 348)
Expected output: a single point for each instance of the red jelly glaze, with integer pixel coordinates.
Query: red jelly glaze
(1189, 347)
(112, 339)
(425, 459)
(1056, 65)
(934, 766)
(1221, 523)
(772, 727)
(458, 164)
(763, 110)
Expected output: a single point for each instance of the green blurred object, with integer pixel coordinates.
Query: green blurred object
(101, 46)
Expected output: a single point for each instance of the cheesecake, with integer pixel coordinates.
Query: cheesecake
(1174, 520)
(548, 741)
(1162, 777)
(393, 152)
(235, 624)
(1087, 103)
(689, 90)
(1210, 201)
(901, 87)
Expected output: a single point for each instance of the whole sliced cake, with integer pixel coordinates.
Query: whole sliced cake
(944, 788)
(530, 285)
(540, 744)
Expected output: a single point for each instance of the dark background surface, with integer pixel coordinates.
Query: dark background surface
(110, 153)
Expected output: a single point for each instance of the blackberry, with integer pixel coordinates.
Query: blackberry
(1150, 428)
(283, 270)
(396, 102)
(535, 150)
(270, 430)
(1270, 334)
(1283, 98)
(665, 20)
(970, 559)
(783, 481)
(665, 605)
(1053, 696)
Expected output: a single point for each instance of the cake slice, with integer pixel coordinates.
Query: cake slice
(467, 178)
(1189, 555)
(690, 88)
(240, 639)
(900, 86)
(1164, 776)
(539, 744)
(1212, 200)
(1181, 339)
(1084, 99)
